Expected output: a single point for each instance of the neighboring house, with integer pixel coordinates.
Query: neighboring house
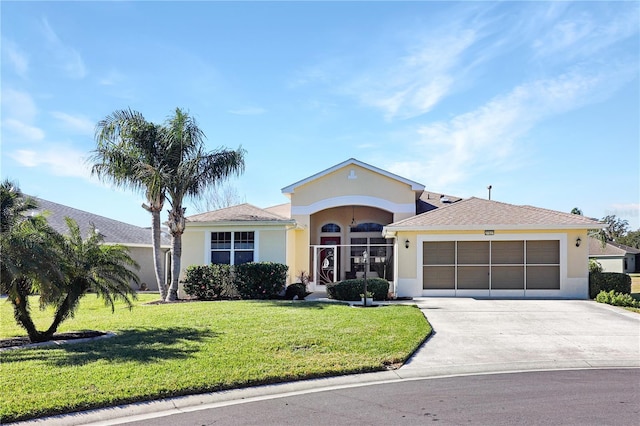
(424, 243)
(614, 257)
(137, 239)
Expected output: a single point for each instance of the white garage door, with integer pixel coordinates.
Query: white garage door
(491, 265)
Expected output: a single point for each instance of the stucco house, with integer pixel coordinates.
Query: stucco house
(614, 257)
(135, 238)
(424, 243)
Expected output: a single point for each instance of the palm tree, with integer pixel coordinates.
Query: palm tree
(30, 259)
(36, 258)
(191, 172)
(129, 154)
(90, 265)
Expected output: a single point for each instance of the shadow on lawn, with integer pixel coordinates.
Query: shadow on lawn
(140, 345)
(296, 304)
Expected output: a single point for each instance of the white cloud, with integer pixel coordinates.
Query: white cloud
(23, 130)
(78, 124)
(417, 81)
(18, 105)
(59, 160)
(18, 115)
(452, 151)
(16, 57)
(68, 58)
(248, 111)
(625, 210)
(112, 78)
(583, 34)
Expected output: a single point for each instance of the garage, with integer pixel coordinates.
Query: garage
(484, 248)
(491, 265)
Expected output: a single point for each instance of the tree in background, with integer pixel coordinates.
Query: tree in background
(62, 269)
(130, 155)
(617, 227)
(190, 171)
(218, 196)
(577, 211)
(631, 239)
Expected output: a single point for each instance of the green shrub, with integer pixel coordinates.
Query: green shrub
(594, 266)
(210, 282)
(617, 299)
(260, 280)
(352, 289)
(296, 289)
(607, 281)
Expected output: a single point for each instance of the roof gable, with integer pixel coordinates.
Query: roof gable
(415, 186)
(476, 213)
(239, 213)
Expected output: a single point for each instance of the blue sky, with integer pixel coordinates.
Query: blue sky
(539, 99)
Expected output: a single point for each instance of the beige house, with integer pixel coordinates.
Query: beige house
(614, 257)
(424, 243)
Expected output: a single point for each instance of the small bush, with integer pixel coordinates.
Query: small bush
(210, 282)
(260, 280)
(296, 289)
(607, 281)
(617, 299)
(594, 266)
(352, 289)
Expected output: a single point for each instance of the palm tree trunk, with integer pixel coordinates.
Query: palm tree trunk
(157, 253)
(22, 315)
(62, 313)
(176, 224)
(176, 253)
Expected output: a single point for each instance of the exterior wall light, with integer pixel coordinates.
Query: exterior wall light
(578, 242)
(406, 243)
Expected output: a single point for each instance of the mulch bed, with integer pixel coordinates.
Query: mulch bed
(22, 341)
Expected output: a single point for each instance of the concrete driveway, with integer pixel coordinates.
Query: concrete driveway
(476, 336)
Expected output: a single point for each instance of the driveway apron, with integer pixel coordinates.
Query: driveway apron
(476, 336)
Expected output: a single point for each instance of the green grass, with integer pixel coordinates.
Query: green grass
(186, 348)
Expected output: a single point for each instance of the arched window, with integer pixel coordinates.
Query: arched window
(331, 227)
(367, 227)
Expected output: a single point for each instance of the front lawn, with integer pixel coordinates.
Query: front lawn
(185, 348)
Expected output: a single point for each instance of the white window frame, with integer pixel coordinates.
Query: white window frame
(232, 251)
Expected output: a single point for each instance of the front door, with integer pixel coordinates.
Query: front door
(329, 260)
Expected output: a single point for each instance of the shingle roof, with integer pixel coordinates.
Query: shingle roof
(610, 249)
(432, 200)
(114, 231)
(240, 213)
(477, 213)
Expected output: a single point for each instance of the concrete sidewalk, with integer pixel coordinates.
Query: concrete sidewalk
(470, 337)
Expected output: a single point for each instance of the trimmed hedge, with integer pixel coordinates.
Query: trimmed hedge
(608, 281)
(352, 289)
(210, 282)
(260, 280)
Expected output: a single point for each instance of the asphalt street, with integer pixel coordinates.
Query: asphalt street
(576, 397)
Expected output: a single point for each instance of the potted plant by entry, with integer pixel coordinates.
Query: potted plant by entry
(369, 298)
